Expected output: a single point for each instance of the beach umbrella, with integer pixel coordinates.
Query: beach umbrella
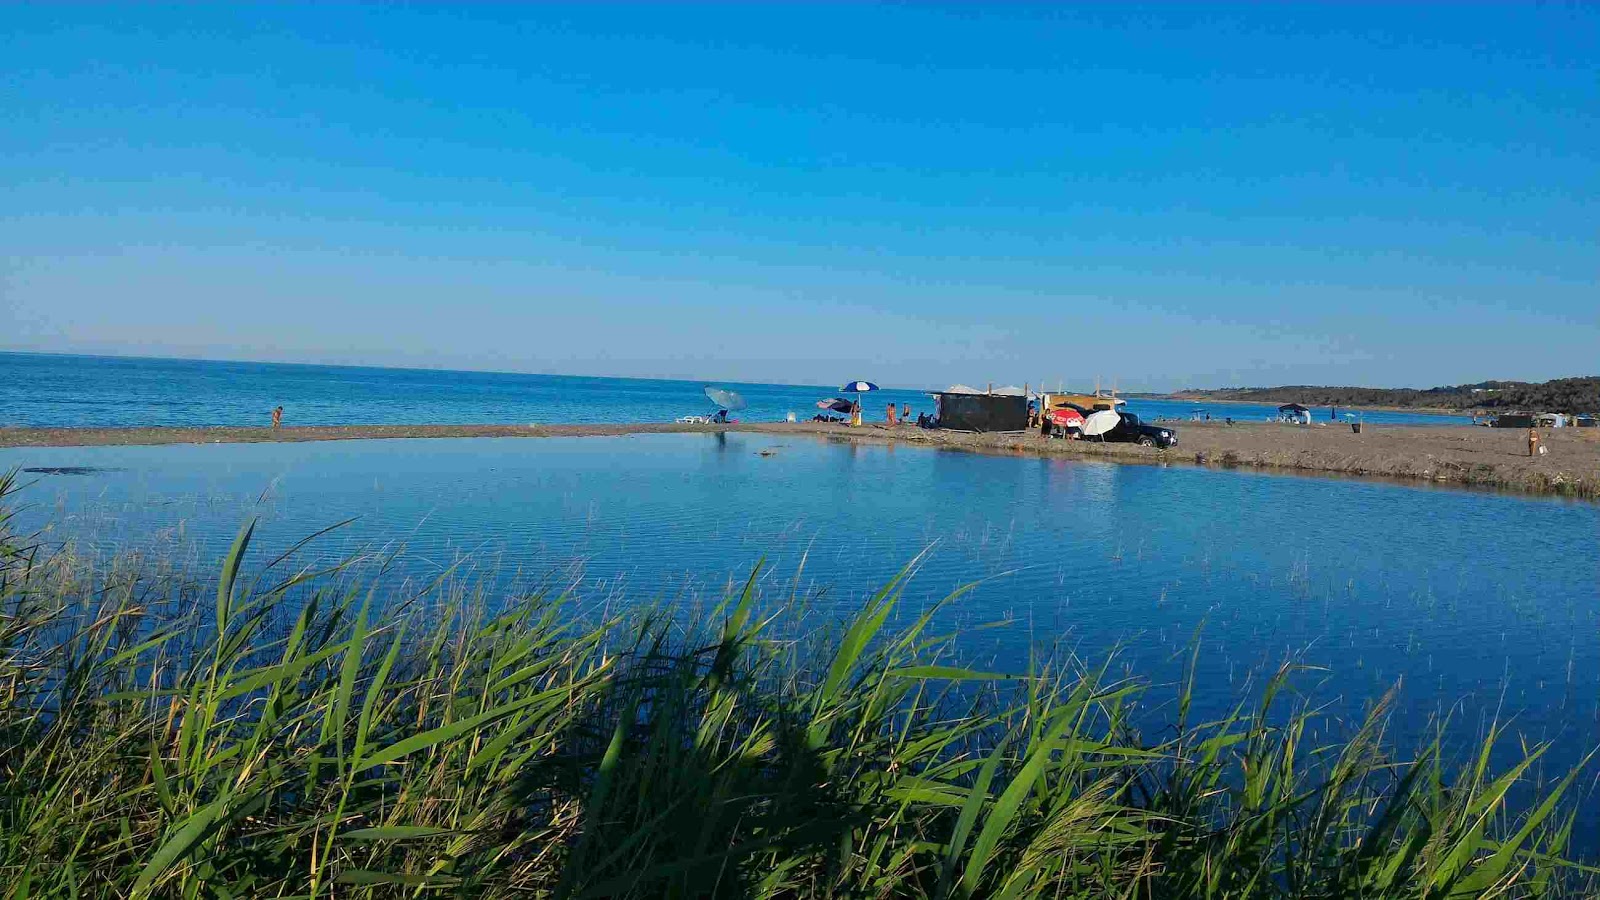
(858, 388)
(835, 404)
(1097, 424)
(728, 400)
(1067, 417)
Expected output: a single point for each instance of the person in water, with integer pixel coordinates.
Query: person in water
(277, 417)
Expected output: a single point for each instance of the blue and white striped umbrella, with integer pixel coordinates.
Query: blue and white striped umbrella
(858, 387)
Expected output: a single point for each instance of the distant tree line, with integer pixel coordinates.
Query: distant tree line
(1569, 395)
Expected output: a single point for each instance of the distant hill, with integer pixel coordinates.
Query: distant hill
(1567, 395)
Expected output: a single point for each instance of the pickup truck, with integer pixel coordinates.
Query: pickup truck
(1132, 431)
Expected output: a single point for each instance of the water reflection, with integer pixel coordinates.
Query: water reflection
(1470, 598)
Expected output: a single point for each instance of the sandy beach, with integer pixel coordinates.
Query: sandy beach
(1205, 399)
(1457, 455)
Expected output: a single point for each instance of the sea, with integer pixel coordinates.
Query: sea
(50, 390)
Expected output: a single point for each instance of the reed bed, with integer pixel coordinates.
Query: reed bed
(284, 733)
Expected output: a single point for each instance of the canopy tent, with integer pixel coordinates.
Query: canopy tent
(1009, 390)
(1088, 402)
(1294, 412)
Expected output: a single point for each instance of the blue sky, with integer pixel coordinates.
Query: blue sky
(1170, 196)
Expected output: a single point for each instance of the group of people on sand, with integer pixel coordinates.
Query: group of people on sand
(894, 415)
(903, 417)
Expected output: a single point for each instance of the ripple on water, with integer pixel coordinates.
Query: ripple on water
(1378, 583)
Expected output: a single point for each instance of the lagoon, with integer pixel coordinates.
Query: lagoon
(1474, 603)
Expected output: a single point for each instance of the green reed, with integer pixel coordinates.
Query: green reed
(287, 734)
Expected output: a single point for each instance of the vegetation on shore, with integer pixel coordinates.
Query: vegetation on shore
(292, 733)
(1568, 395)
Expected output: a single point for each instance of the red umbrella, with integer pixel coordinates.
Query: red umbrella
(1067, 418)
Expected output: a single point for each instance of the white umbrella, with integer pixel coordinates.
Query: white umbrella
(1097, 424)
(728, 400)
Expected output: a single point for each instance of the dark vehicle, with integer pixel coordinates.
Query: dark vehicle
(1132, 431)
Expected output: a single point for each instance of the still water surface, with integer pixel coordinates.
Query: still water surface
(48, 390)
(1474, 602)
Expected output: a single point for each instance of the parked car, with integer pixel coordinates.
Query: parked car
(1132, 431)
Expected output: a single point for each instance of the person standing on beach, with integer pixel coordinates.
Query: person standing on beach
(277, 417)
(1533, 441)
(893, 415)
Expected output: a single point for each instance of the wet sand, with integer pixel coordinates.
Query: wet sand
(1460, 455)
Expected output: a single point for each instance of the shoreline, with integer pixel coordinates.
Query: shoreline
(1449, 455)
(1419, 410)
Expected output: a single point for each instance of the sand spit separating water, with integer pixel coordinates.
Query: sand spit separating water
(1457, 455)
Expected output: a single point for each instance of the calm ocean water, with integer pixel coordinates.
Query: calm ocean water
(64, 391)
